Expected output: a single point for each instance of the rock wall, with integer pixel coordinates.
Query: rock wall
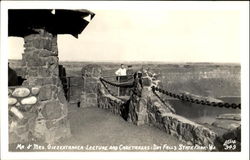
(40, 61)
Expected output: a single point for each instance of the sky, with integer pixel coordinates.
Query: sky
(157, 35)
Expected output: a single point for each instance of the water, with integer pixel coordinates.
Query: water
(201, 113)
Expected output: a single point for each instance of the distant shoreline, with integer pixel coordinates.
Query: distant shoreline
(148, 62)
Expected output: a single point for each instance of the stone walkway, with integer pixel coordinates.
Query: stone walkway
(94, 126)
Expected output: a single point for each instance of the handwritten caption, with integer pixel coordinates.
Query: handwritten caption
(153, 147)
(230, 145)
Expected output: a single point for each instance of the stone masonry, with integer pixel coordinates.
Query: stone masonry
(91, 74)
(40, 61)
(146, 107)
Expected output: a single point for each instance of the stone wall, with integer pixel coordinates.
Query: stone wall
(40, 61)
(22, 114)
(146, 107)
(111, 103)
(162, 115)
(178, 126)
(30, 121)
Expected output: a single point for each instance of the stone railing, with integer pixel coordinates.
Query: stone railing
(109, 102)
(178, 126)
(32, 119)
(146, 107)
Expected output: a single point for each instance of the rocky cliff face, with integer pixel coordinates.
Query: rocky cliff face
(205, 80)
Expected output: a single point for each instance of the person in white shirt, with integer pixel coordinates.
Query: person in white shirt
(122, 71)
(121, 74)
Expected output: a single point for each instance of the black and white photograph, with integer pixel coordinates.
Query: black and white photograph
(132, 77)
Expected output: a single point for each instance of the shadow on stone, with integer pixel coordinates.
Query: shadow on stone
(125, 110)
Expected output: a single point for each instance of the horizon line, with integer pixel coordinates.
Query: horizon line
(112, 61)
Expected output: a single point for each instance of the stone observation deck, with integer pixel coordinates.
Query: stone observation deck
(142, 106)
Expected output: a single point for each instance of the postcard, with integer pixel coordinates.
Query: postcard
(124, 80)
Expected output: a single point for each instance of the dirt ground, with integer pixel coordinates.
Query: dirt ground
(95, 126)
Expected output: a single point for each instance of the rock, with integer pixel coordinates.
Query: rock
(54, 70)
(229, 117)
(46, 53)
(22, 129)
(52, 110)
(61, 97)
(16, 112)
(51, 60)
(31, 73)
(146, 81)
(33, 59)
(35, 90)
(44, 81)
(21, 92)
(29, 100)
(91, 70)
(40, 129)
(12, 101)
(13, 138)
(28, 118)
(42, 43)
(226, 124)
(43, 72)
(91, 95)
(151, 118)
(12, 126)
(91, 88)
(45, 93)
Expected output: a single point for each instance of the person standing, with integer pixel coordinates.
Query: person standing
(121, 76)
(122, 71)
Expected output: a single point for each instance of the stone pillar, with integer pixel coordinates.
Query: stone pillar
(143, 100)
(91, 74)
(40, 59)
